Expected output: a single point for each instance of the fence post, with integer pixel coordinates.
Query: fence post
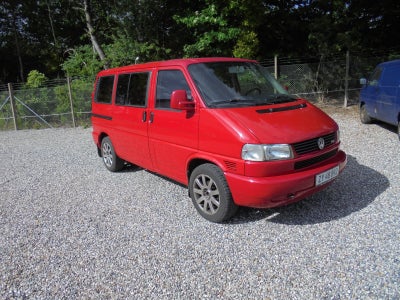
(13, 107)
(346, 82)
(71, 102)
(276, 66)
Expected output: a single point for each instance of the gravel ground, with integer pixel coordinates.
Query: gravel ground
(69, 229)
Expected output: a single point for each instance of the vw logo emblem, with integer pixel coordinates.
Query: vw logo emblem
(321, 143)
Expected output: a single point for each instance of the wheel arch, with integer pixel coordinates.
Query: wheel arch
(197, 161)
(101, 136)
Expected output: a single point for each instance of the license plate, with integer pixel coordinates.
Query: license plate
(326, 176)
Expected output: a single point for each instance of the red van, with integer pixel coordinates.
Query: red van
(222, 126)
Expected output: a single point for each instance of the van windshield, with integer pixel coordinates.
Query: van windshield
(234, 84)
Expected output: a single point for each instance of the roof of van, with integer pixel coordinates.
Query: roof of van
(390, 62)
(173, 62)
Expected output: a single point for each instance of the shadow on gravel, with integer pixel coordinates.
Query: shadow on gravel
(388, 127)
(128, 168)
(353, 190)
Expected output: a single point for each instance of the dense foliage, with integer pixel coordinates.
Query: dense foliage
(80, 37)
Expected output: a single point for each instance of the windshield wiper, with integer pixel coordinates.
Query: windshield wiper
(233, 101)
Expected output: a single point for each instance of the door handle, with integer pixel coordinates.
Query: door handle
(151, 119)
(144, 116)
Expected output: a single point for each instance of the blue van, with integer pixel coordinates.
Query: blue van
(380, 95)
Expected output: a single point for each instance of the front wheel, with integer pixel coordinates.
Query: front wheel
(364, 117)
(398, 129)
(112, 162)
(210, 193)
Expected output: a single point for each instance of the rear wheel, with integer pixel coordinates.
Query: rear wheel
(398, 129)
(364, 117)
(210, 193)
(112, 162)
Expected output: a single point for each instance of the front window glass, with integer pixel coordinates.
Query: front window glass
(167, 82)
(232, 84)
(374, 79)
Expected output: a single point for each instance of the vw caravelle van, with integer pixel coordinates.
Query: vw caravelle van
(221, 126)
(380, 95)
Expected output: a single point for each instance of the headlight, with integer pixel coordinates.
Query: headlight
(338, 136)
(255, 152)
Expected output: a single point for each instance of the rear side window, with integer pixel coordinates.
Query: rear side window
(132, 89)
(104, 89)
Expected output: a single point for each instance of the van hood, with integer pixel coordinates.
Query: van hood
(286, 124)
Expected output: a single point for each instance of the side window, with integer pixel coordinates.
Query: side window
(167, 82)
(374, 79)
(121, 95)
(104, 89)
(132, 89)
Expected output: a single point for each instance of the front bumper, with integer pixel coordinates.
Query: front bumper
(272, 191)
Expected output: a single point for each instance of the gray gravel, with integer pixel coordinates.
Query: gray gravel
(69, 229)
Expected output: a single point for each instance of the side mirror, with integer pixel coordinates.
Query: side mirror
(363, 81)
(179, 100)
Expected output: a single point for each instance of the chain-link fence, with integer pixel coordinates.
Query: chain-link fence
(55, 104)
(332, 79)
(65, 102)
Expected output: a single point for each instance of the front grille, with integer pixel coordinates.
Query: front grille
(312, 145)
(308, 162)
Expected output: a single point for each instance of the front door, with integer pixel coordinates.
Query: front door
(371, 93)
(173, 134)
(387, 104)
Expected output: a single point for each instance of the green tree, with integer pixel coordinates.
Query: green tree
(82, 61)
(211, 31)
(39, 34)
(125, 51)
(35, 79)
(223, 29)
(13, 27)
(284, 29)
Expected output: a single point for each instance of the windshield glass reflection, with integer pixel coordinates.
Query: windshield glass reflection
(232, 84)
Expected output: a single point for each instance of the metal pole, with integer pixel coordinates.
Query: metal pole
(276, 66)
(71, 102)
(13, 107)
(346, 82)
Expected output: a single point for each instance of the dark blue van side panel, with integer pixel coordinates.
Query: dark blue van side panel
(381, 95)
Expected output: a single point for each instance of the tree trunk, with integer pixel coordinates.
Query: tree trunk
(51, 25)
(89, 25)
(17, 47)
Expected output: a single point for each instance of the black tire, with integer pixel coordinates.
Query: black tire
(210, 193)
(112, 162)
(398, 129)
(364, 117)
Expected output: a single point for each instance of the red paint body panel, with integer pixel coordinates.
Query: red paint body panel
(170, 141)
(282, 127)
(271, 191)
